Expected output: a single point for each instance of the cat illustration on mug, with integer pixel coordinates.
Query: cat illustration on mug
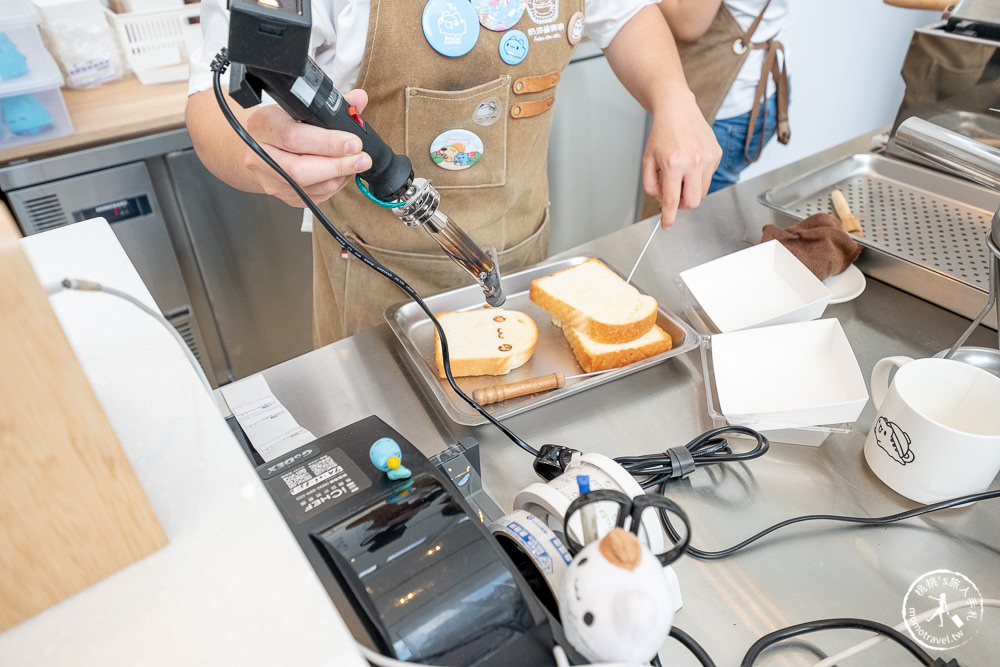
(893, 440)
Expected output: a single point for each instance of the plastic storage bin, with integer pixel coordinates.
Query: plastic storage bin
(31, 103)
(156, 44)
(78, 35)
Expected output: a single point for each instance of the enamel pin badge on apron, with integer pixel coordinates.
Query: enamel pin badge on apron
(450, 27)
(574, 28)
(499, 15)
(488, 112)
(456, 149)
(513, 47)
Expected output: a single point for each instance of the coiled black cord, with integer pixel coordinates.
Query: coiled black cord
(219, 65)
(658, 470)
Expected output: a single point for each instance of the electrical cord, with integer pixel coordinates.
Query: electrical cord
(690, 644)
(832, 624)
(93, 286)
(832, 660)
(677, 462)
(219, 65)
(866, 521)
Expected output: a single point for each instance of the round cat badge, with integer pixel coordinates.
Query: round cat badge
(513, 47)
(456, 149)
(451, 28)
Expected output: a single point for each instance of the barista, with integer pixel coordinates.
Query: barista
(465, 89)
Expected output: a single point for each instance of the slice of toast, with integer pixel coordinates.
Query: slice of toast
(596, 301)
(595, 356)
(487, 341)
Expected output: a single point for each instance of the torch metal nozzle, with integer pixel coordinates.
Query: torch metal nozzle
(421, 209)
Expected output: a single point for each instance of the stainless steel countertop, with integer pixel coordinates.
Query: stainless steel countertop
(806, 572)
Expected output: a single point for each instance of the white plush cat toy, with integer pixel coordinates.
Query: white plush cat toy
(615, 601)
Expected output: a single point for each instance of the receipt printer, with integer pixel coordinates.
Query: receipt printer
(407, 561)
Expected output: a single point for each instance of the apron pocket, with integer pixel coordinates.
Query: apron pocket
(438, 128)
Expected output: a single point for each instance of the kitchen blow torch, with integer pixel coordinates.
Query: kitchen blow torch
(268, 49)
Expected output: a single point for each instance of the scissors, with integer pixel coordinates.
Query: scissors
(631, 508)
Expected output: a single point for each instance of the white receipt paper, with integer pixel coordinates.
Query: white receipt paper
(270, 427)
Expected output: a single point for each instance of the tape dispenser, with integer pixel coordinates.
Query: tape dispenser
(532, 533)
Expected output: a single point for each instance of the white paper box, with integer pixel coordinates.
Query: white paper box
(762, 285)
(788, 376)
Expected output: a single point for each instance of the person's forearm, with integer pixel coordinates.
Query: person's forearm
(218, 146)
(643, 55)
(689, 19)
(681, 151)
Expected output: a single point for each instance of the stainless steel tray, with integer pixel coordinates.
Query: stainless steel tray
(928, 229)
(415, 332)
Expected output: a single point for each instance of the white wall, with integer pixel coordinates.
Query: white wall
(845, 57)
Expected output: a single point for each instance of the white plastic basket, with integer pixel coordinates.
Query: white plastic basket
(154, 42)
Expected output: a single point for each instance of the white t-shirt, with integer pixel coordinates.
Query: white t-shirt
(340, 29)
(741, 95)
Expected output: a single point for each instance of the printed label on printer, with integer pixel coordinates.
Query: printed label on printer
(311, 487)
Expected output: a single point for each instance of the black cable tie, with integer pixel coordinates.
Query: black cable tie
(681, 462)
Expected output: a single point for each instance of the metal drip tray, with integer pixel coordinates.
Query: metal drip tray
(925, 231)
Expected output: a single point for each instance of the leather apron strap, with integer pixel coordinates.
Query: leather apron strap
(772, 68)
(748, 33)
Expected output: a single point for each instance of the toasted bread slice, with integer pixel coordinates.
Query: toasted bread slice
(594, 356)
(487, 341)
(596, 301)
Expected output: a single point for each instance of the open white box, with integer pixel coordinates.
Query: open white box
(762, 285)
(796, 375)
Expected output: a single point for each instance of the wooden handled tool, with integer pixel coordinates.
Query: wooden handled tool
(501, 392)
(850, 224)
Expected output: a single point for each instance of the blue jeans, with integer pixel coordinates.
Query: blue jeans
(731, 134)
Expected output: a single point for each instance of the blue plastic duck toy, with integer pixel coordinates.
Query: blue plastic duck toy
(387, 457)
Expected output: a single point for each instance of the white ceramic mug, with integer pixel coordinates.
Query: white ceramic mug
(937, 433)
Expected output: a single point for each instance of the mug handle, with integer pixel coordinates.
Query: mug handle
(880, 377)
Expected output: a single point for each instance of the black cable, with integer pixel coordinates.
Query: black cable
(833, 624)
(709, 447)
(867, 521)
(800, 646)
(690, 644)
(219, 65)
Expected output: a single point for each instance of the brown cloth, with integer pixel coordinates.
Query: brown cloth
(819, 242)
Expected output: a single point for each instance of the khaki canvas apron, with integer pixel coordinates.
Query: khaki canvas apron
(415, 94)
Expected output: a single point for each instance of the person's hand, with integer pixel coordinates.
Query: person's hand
(680, 157)
(321, 161)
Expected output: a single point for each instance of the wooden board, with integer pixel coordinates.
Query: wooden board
(72, 511)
